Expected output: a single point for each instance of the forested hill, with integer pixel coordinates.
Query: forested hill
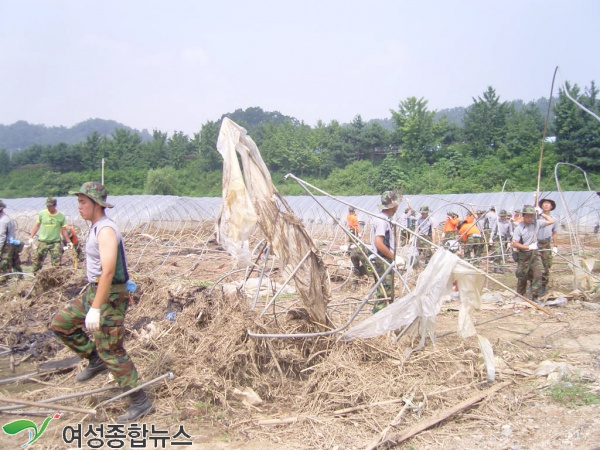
(21, 135)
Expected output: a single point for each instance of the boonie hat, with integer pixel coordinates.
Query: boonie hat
(424, 209)
(503, 213)
(95, 191)
(51, 201)
(389, 200)
(528, 209)
(552, 202)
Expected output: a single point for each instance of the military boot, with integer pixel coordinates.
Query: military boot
(140, 406)
(95, 367)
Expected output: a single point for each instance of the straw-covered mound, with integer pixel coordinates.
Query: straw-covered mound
(320, 388)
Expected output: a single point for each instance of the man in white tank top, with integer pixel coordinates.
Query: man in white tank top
(102, 307)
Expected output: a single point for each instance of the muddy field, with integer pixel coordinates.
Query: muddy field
(191, 317)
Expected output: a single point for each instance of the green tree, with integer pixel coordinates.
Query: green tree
(161, 181)
(153, 154)
(577, 131)
(485, 123)
(179, 150)
(205, 145)
(415, 131)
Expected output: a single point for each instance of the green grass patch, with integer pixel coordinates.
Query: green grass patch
(573, 394)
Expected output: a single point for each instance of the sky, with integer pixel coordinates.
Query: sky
(173, 65)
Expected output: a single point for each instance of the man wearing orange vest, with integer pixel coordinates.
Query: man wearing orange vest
(74, 241)
(450, 227)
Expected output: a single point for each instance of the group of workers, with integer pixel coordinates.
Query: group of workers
(54, 237)
(92, 324)
(530, 233)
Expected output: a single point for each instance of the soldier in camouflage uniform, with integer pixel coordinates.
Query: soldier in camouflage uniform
(50, 222)
(529, 264)
(547, 242)
(383, 242)
(101, 309)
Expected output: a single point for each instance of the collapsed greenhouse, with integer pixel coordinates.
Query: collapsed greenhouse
(269, 338)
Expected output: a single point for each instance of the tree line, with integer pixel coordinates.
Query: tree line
(497, 142)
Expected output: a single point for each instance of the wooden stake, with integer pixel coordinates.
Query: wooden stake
(441, 416)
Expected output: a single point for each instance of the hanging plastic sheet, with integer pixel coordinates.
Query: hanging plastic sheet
(237, 217)
(289, 240)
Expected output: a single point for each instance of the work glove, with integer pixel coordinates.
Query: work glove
(30, 241)
(491, 241)
(538, 210)
(555, 250)
(92, 319)
(70, 245)
(533, 246)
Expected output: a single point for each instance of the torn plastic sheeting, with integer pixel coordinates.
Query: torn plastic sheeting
(415, 313)
(237, 217)
(470, 284)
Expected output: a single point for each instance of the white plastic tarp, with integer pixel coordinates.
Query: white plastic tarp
(416, 312)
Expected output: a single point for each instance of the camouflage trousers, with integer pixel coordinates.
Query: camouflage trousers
(68, 324)
(529, 268)
(448, 236)
(10, 259)
(424, 249)
(475, 245)
(43, 248)
(546, 256)
(362, 262)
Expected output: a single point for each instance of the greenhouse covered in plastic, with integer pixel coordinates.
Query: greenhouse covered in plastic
(579, 208)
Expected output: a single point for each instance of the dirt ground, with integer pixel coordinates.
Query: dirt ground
(189, 318)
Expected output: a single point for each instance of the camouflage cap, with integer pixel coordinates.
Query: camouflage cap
(95, 191)
(480, 211)
(352, 209)
(2, 205)
(503, 213)
(389, 200)
(424, 209)
(528, 209)
(51, 201)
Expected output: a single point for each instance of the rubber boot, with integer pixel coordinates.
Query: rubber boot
(95, 367)
(140, 406)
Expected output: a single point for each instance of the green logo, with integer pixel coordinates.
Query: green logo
(23, 424)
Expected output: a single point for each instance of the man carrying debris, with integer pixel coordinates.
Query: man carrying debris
(547, 242)
(74, 241)
(383, 241)
(50, 222)
(501, 235)
(450, 227)
(352, 222)
(529, 262)
(101, 309)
